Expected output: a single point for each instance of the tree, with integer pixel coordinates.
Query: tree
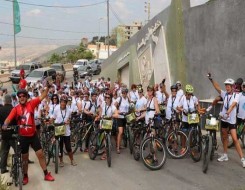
(55, 58)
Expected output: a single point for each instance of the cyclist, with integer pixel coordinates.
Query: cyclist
(188, 104)
(140, 105)
(24, 114)
(180, 92)
(53, 104)
(122, 103)
(62, 115)
(133, 94)
(228, 115)
(162, 96)
(107, 110)
(172, 102)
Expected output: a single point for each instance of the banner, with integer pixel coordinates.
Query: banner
(16, 9)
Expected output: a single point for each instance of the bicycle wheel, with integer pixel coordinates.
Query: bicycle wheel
(108, 149)
(130, 139)
(136, 146)
(56, 155)
(150, 154)
(206, 152)
(20, 177)
(243, 139)
(195, 145)
(92, 148)
(177, 144)
(46, 152)
(75, 137)
(125, 138)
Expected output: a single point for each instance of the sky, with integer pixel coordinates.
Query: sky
(83, 22)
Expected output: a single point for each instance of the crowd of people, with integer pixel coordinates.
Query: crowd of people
(102, 99)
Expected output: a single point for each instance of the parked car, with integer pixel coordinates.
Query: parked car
(41, 74)
(28, 68)
(59, 68)
(80, 62)
(84, 71)
(95, 65)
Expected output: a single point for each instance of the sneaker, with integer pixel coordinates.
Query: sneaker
(73, 163)
(62, 164)
(49, 177)
(25, 180)
(243, 162)
(223, 158)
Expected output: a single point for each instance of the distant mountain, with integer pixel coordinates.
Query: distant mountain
(58, 50)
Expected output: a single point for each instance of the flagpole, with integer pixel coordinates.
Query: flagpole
(15, 58)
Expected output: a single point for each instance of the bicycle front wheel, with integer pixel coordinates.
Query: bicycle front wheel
(56, 156)
(153, 153)
(108, 150)
(92, 148)
(176, 144)
(195, 145)
(74, 142)
(20, 177)
(206, 153)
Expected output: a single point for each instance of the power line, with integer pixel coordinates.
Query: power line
(29, 37)
(116, 15)
(49, 29)
(57, 6)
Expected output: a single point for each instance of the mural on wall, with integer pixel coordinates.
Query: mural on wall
(145, 67)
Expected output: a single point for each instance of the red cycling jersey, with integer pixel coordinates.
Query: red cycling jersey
(22, 84)
(24, 115)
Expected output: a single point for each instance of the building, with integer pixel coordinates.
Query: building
(100, 50)
(125, 32)
(84, 41)
(183, 43)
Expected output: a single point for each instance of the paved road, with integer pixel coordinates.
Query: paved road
(126, 173)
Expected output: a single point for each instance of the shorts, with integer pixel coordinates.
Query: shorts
(25, 142)
(67, 141)
(226, 125)
(121, 122)
(114, 128)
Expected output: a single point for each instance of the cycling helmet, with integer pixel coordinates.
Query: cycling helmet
(63, 98)
(239, 81)
(140, 90)
(124, 90)
(13, 94)
(22, 91)
(178, 82)
(69, 98)
(229, 81)
(174, 87)
(189, 88)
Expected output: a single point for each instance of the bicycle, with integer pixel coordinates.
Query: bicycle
(240, 135)
(177, 140)
(152, 150)
(209, 141)
(195, 138)
(16, 171)
(101, 138)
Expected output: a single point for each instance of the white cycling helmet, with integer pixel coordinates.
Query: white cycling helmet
(243, 84)
(229, 81)
(178, 82)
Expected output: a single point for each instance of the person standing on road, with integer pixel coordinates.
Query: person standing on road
(7, 140)
(228, 115)
(24, 114)
(22, 83)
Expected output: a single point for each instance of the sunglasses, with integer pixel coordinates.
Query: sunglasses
(140, 92)
(55, 98)
(22, 96)
(107, 97)
(174, 91)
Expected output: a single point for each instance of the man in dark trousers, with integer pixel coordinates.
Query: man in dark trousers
(7, 140)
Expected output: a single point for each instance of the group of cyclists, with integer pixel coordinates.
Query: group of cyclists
(92, 102)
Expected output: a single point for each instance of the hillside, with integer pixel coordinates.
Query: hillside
(58, 50)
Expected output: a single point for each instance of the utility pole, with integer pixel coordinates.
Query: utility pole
(148, 10)
(15, 57)
(108, 28)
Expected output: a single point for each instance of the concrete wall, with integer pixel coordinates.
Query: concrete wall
(214, 42)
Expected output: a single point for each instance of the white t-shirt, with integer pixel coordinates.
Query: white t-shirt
(52, 108)
(72, 107)
(180, 93)
(228, 99)
(172, 104)
(124, 106)
(134, 96)
(241, 107)
(108, 111)
(140, 104)
(94, 107)
(100, 99)
(62, 116)
(150, 113)
(188, 106)
(161, 98)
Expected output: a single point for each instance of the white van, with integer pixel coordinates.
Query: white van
(80, 62)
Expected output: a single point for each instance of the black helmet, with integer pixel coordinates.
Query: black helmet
(124, 90)
(239, 81)
(22, 91)
(174, 87)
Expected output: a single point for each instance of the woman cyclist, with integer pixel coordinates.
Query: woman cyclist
(62, 115)
(133, 94)
(140, 105)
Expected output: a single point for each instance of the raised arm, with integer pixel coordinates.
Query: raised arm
(215, 84)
